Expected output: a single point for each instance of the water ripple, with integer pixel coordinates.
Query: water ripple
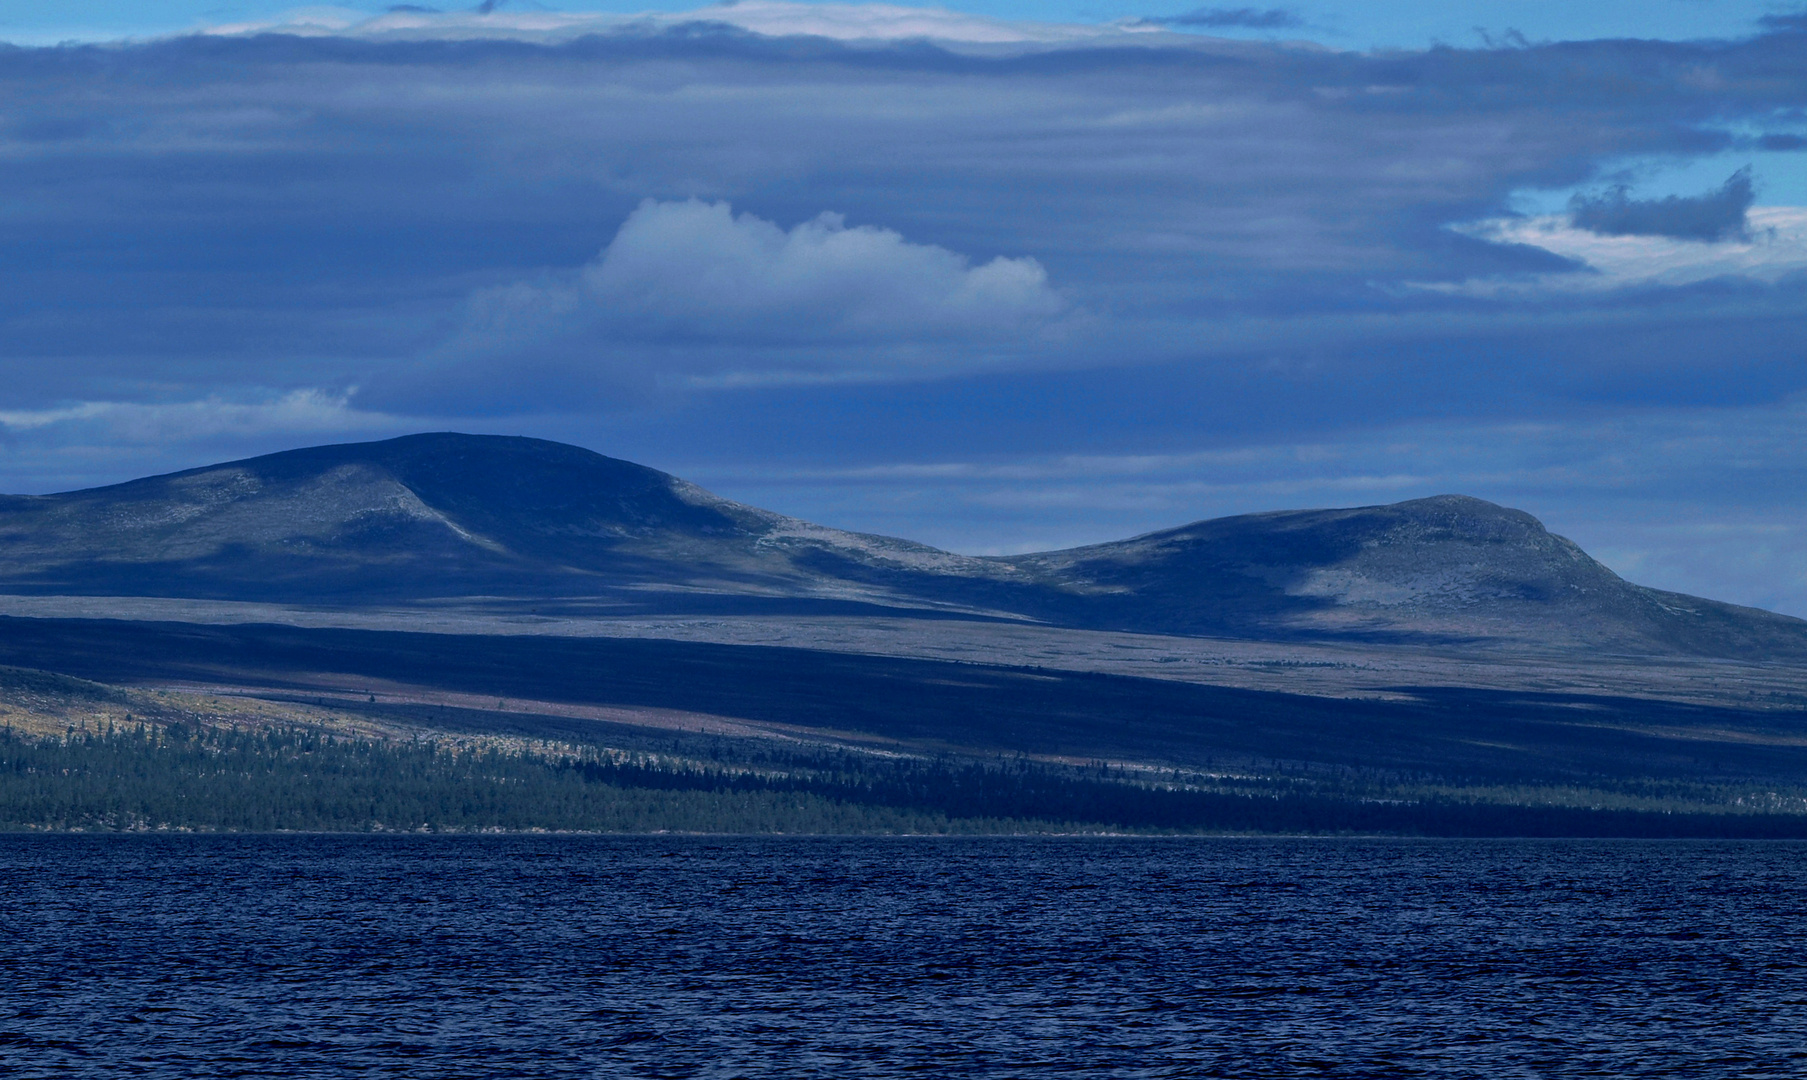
(703, 957)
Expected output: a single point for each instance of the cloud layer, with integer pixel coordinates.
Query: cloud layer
(772, 18)
(848, 236)
(1772, 251)
(1716, 215)
(1221, 18)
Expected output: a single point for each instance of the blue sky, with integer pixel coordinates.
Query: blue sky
(997, 276)
(1369, 24)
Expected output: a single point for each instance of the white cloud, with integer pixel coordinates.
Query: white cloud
(697, 269)
(774, 18)
(693, 291)
(1777, 247)
(142, 423)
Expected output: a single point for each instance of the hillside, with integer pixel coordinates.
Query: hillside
(449, 518)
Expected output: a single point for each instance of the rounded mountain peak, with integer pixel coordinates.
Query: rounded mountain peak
(1462, 510)
(510, 486)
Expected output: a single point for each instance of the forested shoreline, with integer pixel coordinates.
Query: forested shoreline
(149, 777)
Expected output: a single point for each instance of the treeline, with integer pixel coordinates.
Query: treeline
(220, 779)
(1020, 791)
(301, 780)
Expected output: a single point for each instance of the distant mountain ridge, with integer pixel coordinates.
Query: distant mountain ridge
(448, 517)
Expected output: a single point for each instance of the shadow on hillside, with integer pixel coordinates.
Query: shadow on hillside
(1466, 734)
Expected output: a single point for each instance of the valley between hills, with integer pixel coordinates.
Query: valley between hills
(596, 630)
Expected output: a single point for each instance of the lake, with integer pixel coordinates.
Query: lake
(562, 956)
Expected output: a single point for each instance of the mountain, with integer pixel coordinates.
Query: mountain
(424, 516)
(452, 518)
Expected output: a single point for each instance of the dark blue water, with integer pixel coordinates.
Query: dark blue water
(681, 957)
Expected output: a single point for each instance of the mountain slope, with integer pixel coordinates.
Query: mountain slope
(444, 517)
(421, 516)
(1448, 567)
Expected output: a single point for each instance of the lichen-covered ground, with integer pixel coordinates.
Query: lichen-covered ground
(1351, 669)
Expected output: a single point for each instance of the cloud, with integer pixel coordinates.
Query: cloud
(852, 23)
(692, 290)
(1716, 215)
(84, 444)
(1218, 18)
(696, 270)
(1176, 261)
(419, 212)
(1795, 22)
(1774, 247)
(298, 413)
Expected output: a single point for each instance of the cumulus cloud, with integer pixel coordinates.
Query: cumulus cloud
(1715, 215)
(692, 289)
(696, 269)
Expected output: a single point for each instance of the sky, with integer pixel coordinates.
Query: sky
(997, 276)
(1388, 24)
